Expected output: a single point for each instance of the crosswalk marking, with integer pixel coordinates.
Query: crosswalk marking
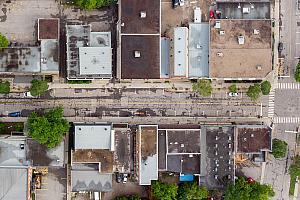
(286, 120)
(271, 104)
(288, 86)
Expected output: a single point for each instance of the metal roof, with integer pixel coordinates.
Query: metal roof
(165, 58)
(180, 51)
(13, 183)
(94, 136)
(198, 49)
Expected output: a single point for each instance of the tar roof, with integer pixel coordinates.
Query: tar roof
(148, 154)
(253, 139)
(93, 136)
(90, 180)
(48, 29)
(13, 183)
(229, 59)
(40, 155)
(11, 153)
(198, 49)
(147, 65)
(140, 16)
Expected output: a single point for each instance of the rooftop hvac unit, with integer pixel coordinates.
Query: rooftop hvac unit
(241, 39)
(259, 67)
(199, 46)
(218, 25)
(222, 32)
(252, 135)
(143, 14)
(256, 31)
(220, 54)
(246, 10)
(137, 54)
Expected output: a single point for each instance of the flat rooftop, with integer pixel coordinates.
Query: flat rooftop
(148, 163)
(253, 139)
(252, 53)
(184, 164)
(48, 29)
(131, 19)
(104, 157)
(183, 141)
(147, 64)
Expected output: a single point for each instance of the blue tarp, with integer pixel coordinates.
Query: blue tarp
(187, 177)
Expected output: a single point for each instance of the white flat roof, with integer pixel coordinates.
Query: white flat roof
(95, 60)
(180, 51)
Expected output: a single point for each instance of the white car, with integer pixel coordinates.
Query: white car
(125, 178)
(233, 94)
(28, 94)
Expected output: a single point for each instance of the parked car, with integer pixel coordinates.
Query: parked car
(14, 114)
(28, 94)
(175, 3)
(125, 176)
(181, 2)
(212, 14)
(118, 177)
(280, 46)
(233, 94)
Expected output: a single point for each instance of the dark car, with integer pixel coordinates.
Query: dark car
(175, 3)
(119, 177)
(280, 46)
(14, 114)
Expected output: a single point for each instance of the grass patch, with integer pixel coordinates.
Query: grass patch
(294, 171)
(79, 81)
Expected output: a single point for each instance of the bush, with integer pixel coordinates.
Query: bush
(203, 87)
(93, 4)
(265, 87)
(164, 191)
(38, 87)
(79, 81)
(254, 91)
(297, 73)
(279, 148)
(3, 41)
(4, 87)
(133, 197)
(191, 191)
(233, 88)
(294, 171)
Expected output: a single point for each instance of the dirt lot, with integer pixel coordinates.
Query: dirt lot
(181, 15)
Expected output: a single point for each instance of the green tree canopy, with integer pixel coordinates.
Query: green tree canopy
(93, 4)
(203, 87)
(254, 91)
(279, 148)
(297, 73)
(38, 87)
(164, 191)
(265, 87)
(3, 41)
(233, 88)
(294, 171)
(4, 87)
(242, 190)
(48, 129)
(192, 191)
(133, 197)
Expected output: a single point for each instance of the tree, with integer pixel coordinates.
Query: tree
(48, 129)
(192, 191)
(242, 190)
(2, 127)
(38, 87)
(294, 171)
(254, 91)
(3, 41)
(233, 88)
(4, 87)
(279, 148)
(93, 4)
(164, 191)
(297, 73)
(203, 87)
(133, 197)
(265, 87)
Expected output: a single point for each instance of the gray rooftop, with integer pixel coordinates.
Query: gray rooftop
(165, 58)
(13, 183)
(10, 152)
(49, 56)
(180, 51)
(89, 54)
(198, 49)
(90, 180)
(94, 136)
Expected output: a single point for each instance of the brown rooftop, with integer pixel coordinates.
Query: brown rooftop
(183, 141)
(105, 157)
(253, 140)
(147, 65)
(48, 28)
(148, 141)
(131, 19)
(251, 58)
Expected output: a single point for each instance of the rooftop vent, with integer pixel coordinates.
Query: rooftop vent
(246, 10)
(259, 67)
(198, 46)
(143, 14)
(252, 135)
(256, 31)
(222, 32)
(220, 54)
(241, 40)
(137, 54)
(218, 24)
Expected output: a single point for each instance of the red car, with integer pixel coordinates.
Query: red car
(212, 14)
(250, 180)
